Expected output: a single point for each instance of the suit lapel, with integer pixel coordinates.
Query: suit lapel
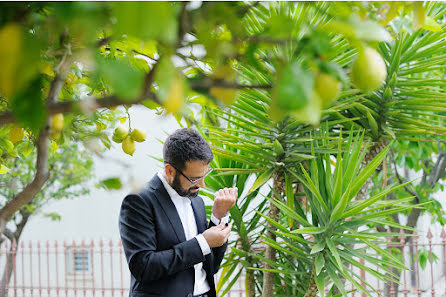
(168, 207)
(200, 215)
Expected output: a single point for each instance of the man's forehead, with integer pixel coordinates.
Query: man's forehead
(196, 166)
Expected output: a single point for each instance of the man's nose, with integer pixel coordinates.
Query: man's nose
(201, 183)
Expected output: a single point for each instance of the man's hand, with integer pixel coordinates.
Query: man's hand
(224, 199)
(217, 236)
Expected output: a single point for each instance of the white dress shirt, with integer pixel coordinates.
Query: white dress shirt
(186, 214)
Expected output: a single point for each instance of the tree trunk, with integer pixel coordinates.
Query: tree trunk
(250, 283)
(391, 288)
(312, 287)
(270, 253)
(7, 271)
(43, 143)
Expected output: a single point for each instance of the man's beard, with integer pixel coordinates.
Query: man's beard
(176, 185)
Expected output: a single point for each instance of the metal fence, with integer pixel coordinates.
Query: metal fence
(97, 268)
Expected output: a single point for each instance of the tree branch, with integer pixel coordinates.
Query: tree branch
(9, 234)
(207, 84)
(110, 101)
(42, 172)
(438, 169)
(417, 198)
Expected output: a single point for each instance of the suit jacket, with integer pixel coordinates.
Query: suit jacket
(160, 259)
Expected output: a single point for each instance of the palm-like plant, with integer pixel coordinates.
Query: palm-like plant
(408, 105)
(275, 149)
(253, 143)
(337, 224)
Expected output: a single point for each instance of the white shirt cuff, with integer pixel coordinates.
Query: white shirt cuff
(203, 244)
(216, 221)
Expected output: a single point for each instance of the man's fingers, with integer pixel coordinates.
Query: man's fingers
(227, 230)
(221, 226)
(226, 192)
(234, 192)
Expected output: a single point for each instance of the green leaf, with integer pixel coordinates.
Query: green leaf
(294, 87)
(363, 176)
(3, 169)
(53, 146)
(29, 107)
(261, 180)
(111, 183)
(53, 216)
(309, 230)
(27, 148)
(319, 246)
(147, 20)
(354, 27)
(320, 283)
(357, 208)
(125, 80)
(289, 197)
(423, 259)
(319, 263)
(334, 277)
(334, 251)
(431, 25)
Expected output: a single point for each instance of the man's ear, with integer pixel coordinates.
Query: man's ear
(170, 172)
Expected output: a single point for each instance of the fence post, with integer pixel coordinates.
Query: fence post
(22, 248)
(65, 252)
(415, 237)
(429, 238)
(73, 255)
(443, 244)
(7, 253)
(92, 266)
(120, 267)
(101, 246)
(14, 268)
(111, 267)
(48, 266)
(402, 243)
(389, 246)
(56, 255)
(31, 266)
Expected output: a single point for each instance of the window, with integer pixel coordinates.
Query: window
(78, 260)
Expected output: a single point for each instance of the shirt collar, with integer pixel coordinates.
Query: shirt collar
(172, 193)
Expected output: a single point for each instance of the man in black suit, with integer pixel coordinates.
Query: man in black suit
(170, 248)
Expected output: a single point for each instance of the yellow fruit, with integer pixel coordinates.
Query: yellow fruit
(224, 94)
(419, 15)
(47, 69)
(128, 146)
(56, 126)
(54, 135)
(138, 135)
(16, 134)
(10, 55)
(368, 70)
(119, 134)
(225, 72)
(57, 122)
(327, 87)
(175, 99)
(311, 113)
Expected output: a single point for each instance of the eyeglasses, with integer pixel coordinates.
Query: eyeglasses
(193, 181)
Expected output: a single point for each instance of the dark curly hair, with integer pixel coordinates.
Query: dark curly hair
(186, 145)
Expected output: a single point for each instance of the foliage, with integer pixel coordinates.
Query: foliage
(71, 170)
(251, 75)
